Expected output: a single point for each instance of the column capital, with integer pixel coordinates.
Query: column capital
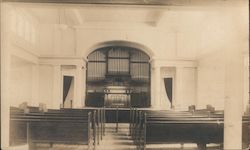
(155, 67)
(179, 67)
(81, 66)
(155, 63)
(85, 59)
(56, 65)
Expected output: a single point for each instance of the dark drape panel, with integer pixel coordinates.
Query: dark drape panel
(168, 87)
(66, 85)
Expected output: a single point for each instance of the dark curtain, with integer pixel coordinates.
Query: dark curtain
(66, 85)
(168, 87)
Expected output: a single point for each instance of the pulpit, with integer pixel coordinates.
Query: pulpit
(117, 96)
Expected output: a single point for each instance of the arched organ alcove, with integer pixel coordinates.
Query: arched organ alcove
(118, 76)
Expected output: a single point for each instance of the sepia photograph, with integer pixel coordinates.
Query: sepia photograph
(124, 75)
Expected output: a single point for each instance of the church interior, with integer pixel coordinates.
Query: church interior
(144, 74)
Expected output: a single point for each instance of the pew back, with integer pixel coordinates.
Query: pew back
(59, 127)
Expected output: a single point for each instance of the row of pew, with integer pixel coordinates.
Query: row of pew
(167, 127)
(33, 125)
(67, 126)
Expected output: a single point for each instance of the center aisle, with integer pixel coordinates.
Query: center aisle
(113, 140)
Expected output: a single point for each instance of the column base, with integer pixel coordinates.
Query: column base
(19, 147)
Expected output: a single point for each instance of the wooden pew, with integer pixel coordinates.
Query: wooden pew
(99, 118)
(209, 110)
(201, 127)
(182, 129)
(55, 127)
(159, 123)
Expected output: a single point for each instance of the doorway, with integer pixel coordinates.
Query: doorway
(68, 91)
(168, 82)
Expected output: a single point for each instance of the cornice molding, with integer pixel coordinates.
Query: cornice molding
(134, 2)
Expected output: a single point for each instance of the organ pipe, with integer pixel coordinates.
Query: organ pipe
(122, 63)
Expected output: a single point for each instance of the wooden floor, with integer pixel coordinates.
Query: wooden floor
(117, 140)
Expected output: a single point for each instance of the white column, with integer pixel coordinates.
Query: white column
(5, 101)
(246, 83)
(5, 74)
(156, 101)
(35, 84)
(152, 98)
(57, 87)
(84, 85)
(179, 86)
(233, 100)
(78, 103)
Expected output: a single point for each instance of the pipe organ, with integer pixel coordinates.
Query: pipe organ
(117, 68)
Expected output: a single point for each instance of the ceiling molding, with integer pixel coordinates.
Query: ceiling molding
(142, 3)
(109, 2)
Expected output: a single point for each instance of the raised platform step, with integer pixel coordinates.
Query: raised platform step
(61, 147)
(117, 140)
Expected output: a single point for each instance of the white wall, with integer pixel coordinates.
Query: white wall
(165, 42)
(185, 87)
(23, 29)
(173, 39)
(211, 81)
(51, 74)
(20, 84)
(46, 84)
(56, 41)
(22, 46)
(220, 54)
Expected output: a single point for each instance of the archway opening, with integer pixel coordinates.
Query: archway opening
(118, 76)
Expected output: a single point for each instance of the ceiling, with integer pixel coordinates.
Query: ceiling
(94, 14)
(78, 16)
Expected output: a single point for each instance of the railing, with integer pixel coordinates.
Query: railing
(137, 127)
(99, 121)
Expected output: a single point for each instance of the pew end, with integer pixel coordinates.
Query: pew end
(42, 107)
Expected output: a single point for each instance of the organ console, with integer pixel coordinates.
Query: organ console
(117, 96)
